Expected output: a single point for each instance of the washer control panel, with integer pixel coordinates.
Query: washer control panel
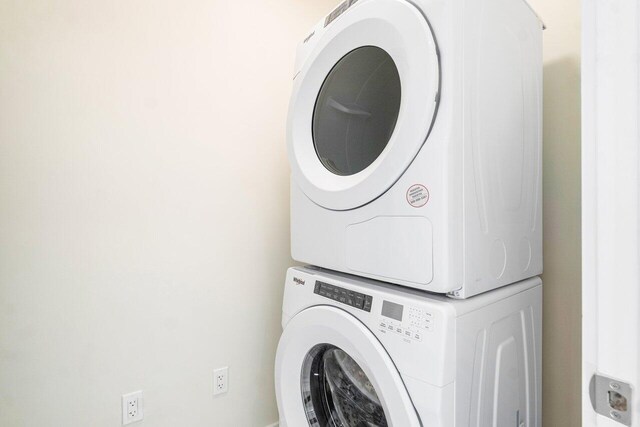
(411, 323)
(345, 296)
(420, 318)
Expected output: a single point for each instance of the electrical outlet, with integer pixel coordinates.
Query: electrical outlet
(220, 380)
(132, 407)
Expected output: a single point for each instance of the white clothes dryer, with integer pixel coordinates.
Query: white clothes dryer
(414, 139)
(355, 352)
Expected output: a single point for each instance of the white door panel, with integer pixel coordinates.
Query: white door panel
(610, 218)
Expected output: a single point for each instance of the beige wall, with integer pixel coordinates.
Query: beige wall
(143, 206)
(562, 256)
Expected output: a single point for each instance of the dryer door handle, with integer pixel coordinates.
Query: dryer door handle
(352, 110)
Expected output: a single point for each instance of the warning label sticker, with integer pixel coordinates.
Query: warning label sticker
(417, 195)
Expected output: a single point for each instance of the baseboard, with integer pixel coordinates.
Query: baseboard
(273, 425)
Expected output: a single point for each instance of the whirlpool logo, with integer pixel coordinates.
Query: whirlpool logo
(298, 281)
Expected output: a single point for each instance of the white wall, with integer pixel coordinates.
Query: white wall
(561, 399)
(143, 206)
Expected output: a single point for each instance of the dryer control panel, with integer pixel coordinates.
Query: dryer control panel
(409, 322)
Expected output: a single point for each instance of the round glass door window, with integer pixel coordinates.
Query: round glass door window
(356, 111)
(337, 393)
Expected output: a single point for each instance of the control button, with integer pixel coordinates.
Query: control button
(350, 298)
(367, 303)
(316, 289)
(390, 327)
(407, 333)
(359, 300)
(417, 336)
(399, 330)
(383, 325)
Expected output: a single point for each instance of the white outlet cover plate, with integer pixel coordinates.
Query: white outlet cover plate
(132, 407)
(220, 380)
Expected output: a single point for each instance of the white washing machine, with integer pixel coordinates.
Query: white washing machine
(414, 138)
(355, 352)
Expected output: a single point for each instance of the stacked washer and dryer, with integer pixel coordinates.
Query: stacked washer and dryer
(414, 138)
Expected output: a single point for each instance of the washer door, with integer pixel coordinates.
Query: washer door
(331, 371)
(363, 103)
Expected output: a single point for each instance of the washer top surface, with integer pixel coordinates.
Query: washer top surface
(457, 307)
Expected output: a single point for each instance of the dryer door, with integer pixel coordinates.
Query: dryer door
(331, 371)
(363, 102)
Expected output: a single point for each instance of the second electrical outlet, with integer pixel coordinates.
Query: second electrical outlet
(221, 380)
